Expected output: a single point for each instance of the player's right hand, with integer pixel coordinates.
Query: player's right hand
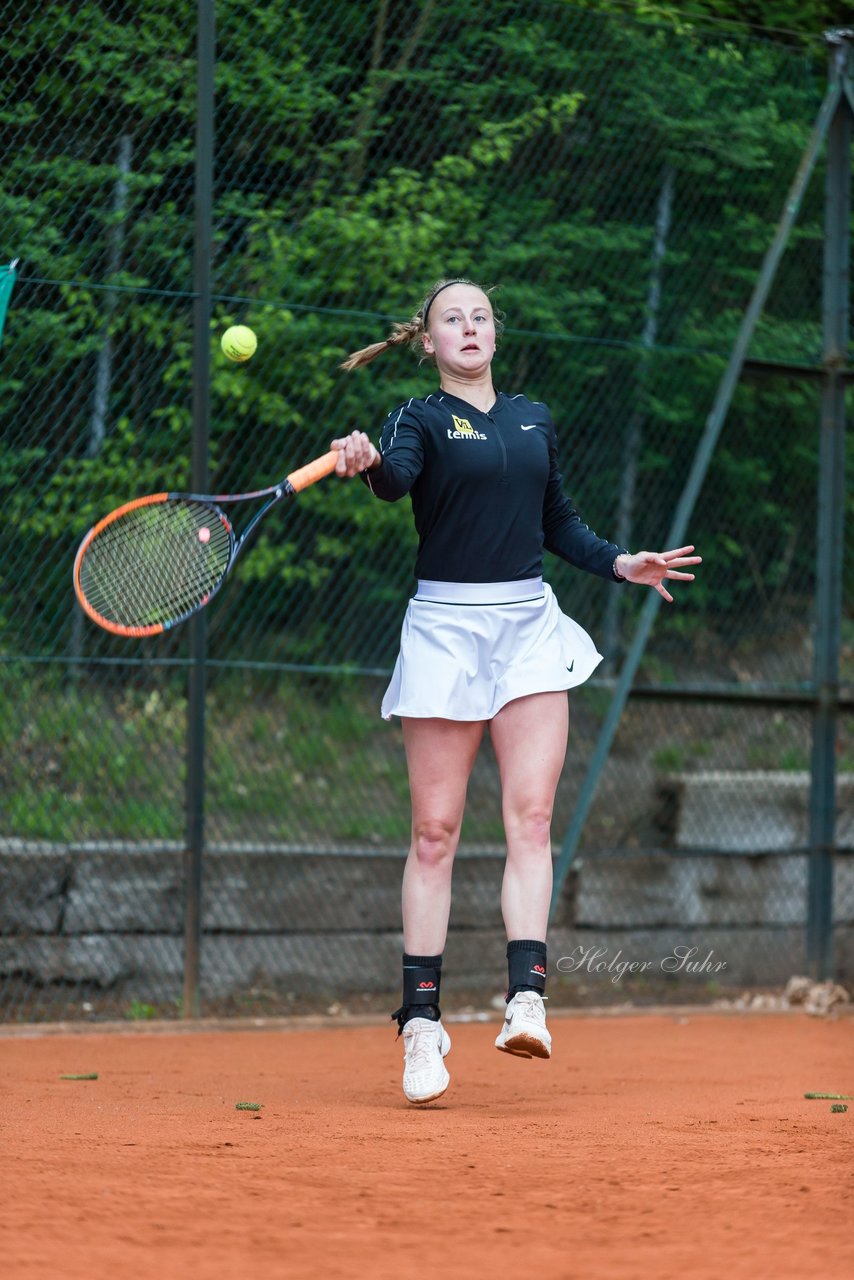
(355, 454)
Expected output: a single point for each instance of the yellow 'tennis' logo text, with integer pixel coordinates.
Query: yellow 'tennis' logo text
(463, 430)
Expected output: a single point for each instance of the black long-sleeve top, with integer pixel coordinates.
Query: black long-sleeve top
(487, 495)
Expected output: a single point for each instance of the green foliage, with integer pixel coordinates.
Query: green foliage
(364, 150)
(82, 759)
(668, 759)
(791, 19)
(140, 1011)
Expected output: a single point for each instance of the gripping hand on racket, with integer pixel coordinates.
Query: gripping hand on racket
(650, 568)
(355, 454)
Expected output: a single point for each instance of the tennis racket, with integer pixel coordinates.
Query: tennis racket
(156, 561)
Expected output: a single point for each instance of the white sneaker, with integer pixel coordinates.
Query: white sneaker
(524, 1032)
(425, 1076)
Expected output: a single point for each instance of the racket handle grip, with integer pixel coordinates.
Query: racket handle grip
(313, 471)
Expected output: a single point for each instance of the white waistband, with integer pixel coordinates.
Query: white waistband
(480, 592)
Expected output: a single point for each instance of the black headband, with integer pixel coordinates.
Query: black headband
(428, 304)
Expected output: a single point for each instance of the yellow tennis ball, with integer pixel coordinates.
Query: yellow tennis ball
(239, 343)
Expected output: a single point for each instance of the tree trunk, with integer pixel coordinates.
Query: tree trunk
(376, 89)
(104, 364)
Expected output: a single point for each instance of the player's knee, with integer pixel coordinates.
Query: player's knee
(532, 823)
(433, 842)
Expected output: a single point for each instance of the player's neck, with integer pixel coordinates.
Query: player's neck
(478, 392)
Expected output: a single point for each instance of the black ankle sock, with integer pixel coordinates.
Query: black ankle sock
(422, 976)
(526, 964)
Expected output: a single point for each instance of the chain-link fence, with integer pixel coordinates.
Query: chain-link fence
(620, 181)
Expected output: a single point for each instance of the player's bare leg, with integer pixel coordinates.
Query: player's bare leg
(440, 755)
(529, 736)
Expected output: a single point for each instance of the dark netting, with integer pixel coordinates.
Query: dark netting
(619, 182)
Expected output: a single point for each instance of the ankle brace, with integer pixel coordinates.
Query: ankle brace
(526, 965)
(422, 976)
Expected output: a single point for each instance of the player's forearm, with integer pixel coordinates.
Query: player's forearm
(573, 540)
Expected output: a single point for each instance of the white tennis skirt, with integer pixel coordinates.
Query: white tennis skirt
(468, 648)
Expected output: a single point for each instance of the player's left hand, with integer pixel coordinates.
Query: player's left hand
(355, 454)
(650, 568)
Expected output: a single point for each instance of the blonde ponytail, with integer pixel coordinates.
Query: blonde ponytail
(408, 332)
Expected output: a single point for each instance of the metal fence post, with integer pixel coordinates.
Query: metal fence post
(195, 788)
(831, 509)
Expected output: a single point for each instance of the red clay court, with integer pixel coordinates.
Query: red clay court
(652, 1146)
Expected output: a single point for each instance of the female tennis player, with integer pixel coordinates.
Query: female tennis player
(483, 642)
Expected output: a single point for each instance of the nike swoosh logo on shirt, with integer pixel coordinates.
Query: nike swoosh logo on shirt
(532, 427)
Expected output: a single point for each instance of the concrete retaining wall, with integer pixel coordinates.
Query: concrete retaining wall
(110, 915)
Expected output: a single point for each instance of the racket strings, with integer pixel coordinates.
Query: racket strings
(155, 563)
